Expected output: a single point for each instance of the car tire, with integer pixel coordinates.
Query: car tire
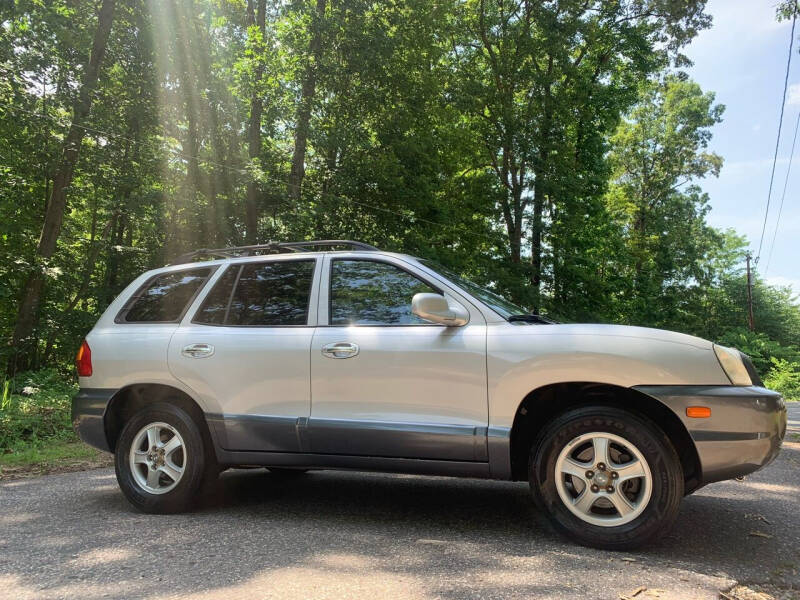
(606, 478)
(160, 459)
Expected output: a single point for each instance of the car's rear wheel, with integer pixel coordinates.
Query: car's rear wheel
(160, 459)
(606, 478)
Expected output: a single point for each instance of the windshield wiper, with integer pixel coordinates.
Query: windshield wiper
(531, 318)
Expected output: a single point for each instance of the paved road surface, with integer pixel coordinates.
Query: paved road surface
(353, 535)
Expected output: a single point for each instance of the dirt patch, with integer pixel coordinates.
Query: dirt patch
(59, 466)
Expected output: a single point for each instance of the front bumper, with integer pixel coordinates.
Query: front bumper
(743, 433)
(88, 416)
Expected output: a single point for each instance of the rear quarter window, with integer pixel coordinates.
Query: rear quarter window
(165, 297)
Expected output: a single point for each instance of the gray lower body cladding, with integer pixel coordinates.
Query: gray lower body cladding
(88, 415)
(743, 434)
(322, 443)
(349, 437)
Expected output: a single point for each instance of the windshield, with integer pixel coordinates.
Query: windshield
(494, 301)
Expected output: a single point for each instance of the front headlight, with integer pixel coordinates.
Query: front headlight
(732, 364)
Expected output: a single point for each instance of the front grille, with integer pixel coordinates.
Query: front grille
(751, 370)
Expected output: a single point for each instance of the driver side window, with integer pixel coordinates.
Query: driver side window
(366, 292)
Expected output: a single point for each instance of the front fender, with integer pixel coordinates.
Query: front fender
(518, 363)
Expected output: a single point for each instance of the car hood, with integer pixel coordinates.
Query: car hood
(626, 331)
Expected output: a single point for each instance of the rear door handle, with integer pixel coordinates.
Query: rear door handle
(198, 350)
(340, 350)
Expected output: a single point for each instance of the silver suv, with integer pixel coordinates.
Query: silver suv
(336, 355)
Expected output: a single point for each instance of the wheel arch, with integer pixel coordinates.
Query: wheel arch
(128, 400)
(543, 404)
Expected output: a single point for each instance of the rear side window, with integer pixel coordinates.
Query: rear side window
(215, 306)
(260, 294)
(165, 298)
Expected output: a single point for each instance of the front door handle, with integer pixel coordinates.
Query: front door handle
(340, 350)
(198, 350)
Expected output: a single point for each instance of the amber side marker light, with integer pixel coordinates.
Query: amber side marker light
(698, 412)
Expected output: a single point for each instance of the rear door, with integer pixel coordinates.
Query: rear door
(245, 351)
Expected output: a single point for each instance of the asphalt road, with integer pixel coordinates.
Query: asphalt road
(373, 536)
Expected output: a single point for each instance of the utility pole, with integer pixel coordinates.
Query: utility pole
(750, 322)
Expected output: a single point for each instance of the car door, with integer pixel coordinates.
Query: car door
(384, 382)
(246, 350)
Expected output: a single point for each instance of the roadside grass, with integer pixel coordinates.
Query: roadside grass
(61, 455)
(49, 454)
(36, 433)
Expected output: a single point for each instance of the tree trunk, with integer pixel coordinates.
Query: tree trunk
(540, 192)
(183, 15)
(536, 240)
(221, 180)
(119, 223)
(307, 92)
(216, 180)
(255, 16)
(28, 312)
(515, 240)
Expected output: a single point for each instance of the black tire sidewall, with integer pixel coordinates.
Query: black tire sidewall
(667, 476)
(182, 496)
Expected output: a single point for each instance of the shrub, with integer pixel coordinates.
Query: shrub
(34, 407)
(762, 349)
(784, 377)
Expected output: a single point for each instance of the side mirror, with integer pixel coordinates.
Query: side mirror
(437, 309)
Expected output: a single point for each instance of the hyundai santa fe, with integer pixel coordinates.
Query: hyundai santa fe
(332, 354)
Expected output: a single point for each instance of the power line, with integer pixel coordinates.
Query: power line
(783, 195)
(778, 140)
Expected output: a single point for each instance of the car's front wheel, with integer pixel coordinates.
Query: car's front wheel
(607, 478)
(160, 459)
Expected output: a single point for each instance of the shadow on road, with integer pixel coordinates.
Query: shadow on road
(335, 534)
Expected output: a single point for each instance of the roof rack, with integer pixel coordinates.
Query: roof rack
(271, 248)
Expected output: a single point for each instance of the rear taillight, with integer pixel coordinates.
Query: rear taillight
(83, 360)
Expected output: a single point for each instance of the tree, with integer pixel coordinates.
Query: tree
(659, 152)
(543, 83)
(27, 314)
(256, 30)
(307, 92)
(548, 150)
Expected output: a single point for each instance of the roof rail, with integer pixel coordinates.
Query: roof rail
(270, 248)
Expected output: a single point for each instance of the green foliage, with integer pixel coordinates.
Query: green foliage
(36, 409)
(759, 347)
(785, 378)
(44, 457)
(550, 150)
(658, 151)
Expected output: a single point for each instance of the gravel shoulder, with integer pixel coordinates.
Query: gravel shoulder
(357, 535)
(59, 457)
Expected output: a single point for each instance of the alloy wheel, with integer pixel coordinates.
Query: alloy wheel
(603, 479)
(157, 458)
